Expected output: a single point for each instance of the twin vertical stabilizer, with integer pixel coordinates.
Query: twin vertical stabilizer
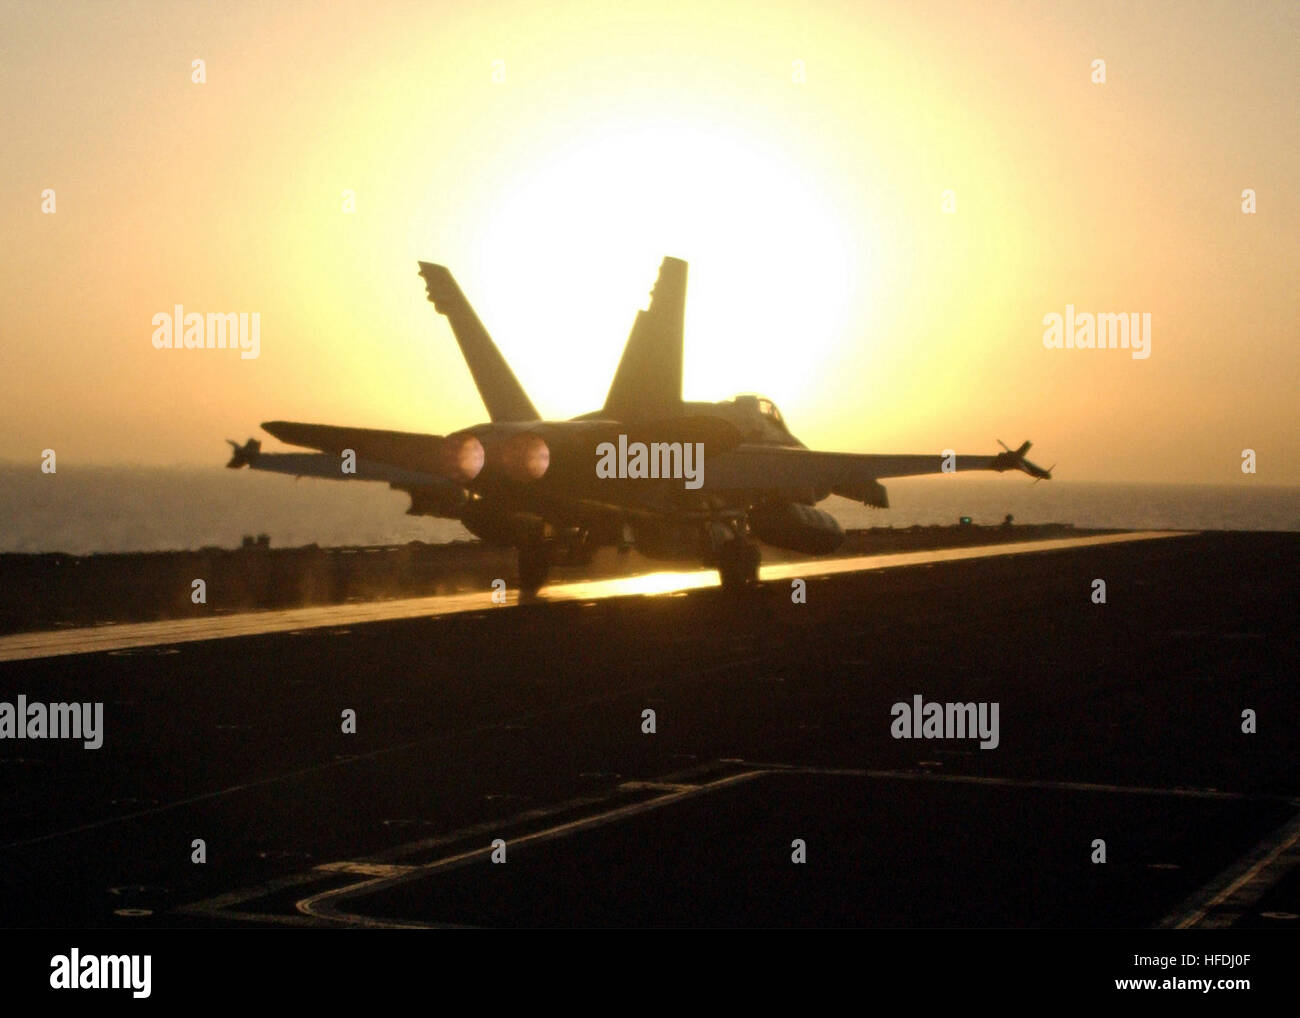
(648, 382)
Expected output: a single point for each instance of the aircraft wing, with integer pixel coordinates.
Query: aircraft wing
(758, 468)
(385, 446)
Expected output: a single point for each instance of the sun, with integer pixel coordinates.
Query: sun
(572, 246)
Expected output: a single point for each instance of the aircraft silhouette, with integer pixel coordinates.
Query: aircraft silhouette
(680, 481)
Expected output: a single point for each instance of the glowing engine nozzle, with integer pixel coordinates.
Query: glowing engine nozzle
(524, 457)
(460, 457)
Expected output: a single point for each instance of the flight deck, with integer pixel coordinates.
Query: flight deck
(503, 769)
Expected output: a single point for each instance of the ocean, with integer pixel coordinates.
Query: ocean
(81, 510)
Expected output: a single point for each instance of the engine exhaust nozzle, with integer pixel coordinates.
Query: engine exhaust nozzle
(524, 457)
(460, 458)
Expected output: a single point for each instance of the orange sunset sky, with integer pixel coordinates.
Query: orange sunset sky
(796, 154)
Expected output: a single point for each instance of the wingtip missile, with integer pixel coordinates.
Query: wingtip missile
(243, 455)
(1014, 459)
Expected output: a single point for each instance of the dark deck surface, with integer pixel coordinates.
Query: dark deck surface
(1119, 722)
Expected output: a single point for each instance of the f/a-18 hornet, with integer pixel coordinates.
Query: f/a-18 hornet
(677, 480)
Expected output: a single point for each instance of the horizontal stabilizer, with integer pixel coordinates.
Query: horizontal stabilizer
(455, 457)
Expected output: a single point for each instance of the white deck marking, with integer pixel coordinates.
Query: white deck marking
(1237, 890)
(382, 869)
(128, 635)
(324, 905)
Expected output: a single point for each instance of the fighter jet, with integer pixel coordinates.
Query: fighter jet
(679, 481)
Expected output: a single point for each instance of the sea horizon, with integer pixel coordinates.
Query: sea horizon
(89, 509)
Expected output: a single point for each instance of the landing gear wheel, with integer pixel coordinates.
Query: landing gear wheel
(581, 551)
(534, 567)
(738, 564)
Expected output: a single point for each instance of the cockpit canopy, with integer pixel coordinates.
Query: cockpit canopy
(763, 414)
(768, 409)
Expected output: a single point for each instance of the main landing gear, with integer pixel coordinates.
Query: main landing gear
(534, 568)
(738, 561)
(573, 548)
